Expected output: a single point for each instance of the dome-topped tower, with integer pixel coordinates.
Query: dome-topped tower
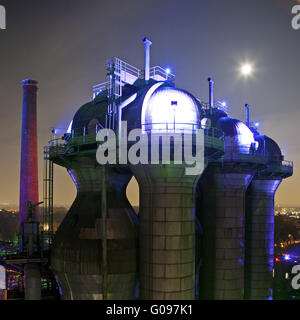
(260, 197)
(94, 255)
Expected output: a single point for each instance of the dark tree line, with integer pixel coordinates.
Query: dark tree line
(8, 226)
(285, 226)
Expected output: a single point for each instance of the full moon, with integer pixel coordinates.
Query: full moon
(246, 69)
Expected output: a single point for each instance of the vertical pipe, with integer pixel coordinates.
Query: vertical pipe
(211, 94)
(147, 43)
(104, 232)
(247, 115)
(50, 197)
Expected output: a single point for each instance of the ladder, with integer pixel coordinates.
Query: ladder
(47, 221)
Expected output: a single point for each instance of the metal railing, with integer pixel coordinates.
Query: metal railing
(170, 127)
(123, 68)
(83, 133)
(124, 73)
(217, 105)
(236, 157)
(284, 167)
(158, 73)
(287, 163)
(119, 72)
(99, 88)
(80, 136)
(214, 138)
(181, 128)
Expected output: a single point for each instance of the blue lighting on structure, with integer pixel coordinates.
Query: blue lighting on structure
(287, 257)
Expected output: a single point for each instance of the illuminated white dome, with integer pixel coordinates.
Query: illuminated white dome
(170, 109)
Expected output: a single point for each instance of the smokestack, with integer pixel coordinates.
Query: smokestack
(247, 115)
(29, 193)
(29, 162)
(147, 43)
(211, 92)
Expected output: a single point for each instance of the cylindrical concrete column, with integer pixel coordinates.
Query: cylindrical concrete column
(29, 163)
(167, 232)
(259, 247)
(32, 281)
(222, 214)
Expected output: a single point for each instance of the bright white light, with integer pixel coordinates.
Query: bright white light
(224, 104)
(168, 70)
(244, 137)
(246, 69)
(287, 257)
(256, 124)
(70, 127)
(170, 108)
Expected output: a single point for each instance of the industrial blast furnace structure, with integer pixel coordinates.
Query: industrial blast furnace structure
(204, 236)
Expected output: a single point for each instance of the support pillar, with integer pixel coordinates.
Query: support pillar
(32, 281)
(167, 232)
(260, 239)
(222, 215)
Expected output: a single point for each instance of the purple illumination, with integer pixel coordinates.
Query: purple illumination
(29, 156)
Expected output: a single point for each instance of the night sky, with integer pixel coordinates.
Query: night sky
(64, 45)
